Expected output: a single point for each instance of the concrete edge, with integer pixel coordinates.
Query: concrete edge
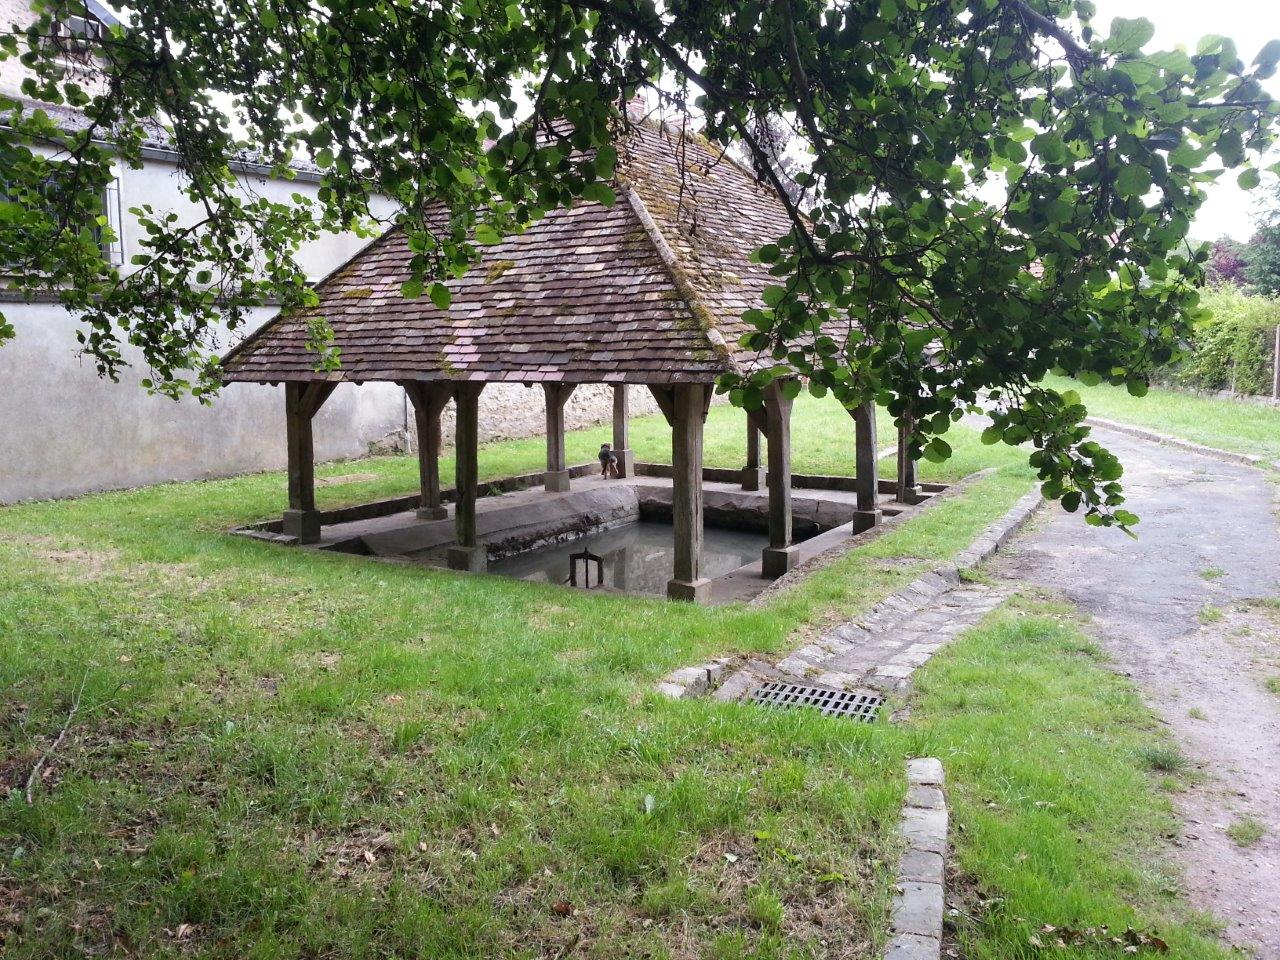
(915, 930)
(1217, 453)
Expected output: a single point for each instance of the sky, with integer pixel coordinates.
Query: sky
(1250, 23)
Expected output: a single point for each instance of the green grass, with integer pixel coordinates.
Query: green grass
(1246, 831)
(283, 753)
(1055, 819)
(1216, 422)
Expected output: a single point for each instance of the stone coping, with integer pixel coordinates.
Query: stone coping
(915, 931)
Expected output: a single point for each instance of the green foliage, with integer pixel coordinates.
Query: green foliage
(1263, 270)
(1014, 212)
(1232, 344)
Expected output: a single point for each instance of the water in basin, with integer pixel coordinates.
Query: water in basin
(638, 557)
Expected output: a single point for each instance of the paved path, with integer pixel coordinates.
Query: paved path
(1199, 516)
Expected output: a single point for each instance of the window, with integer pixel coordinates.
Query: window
(111, 244)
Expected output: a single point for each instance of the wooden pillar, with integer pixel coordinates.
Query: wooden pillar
(908, 487)
(688, 414)
(556, 479)
(1275, 367)
(301, 402)
(780, 556)
(866, 480)
(429, 401)
(468, 553)
(622, 431)
(753, 475)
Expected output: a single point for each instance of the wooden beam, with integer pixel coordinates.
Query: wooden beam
(622, 431)
(779, 556)
(556, 479)
(908, 487)
(665, 397)
(753, 474)
(301, 403)
(429, 401)
(687, 582)
(468, 553)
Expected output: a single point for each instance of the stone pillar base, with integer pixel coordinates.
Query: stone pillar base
(695, 591)
(468, 559)
(303, 524)
(775, 561)
(432, 513)
(556, 481)
(909, 495)
(753, 478)
(866, 519)
(626, 463)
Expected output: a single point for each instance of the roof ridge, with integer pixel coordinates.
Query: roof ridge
(684, 286)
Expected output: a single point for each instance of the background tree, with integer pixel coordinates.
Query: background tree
(1228, 259)
(1263, 268)
(994, 180)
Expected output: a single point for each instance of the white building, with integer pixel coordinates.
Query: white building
(64, 431)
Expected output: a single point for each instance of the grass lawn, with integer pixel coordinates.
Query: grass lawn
(1229, 424)
(283, 753)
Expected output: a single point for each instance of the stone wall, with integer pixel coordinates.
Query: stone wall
(509, 411)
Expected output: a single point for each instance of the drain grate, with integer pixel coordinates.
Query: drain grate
(833, 703)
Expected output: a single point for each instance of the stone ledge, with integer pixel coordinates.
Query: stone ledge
(919, 905)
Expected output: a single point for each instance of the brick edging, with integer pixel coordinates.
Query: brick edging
(1217, 453)
(915, 931)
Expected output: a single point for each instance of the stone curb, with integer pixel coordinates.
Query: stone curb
(1142, 433)
(915, 931)
(996, 534)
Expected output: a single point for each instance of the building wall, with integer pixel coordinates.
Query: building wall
(64, 431)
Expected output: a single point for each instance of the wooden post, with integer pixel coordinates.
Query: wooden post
(467, 553)
(1275, 367)
(780, 556)
(908, 488)
(866, 481)
(689, 412)
(556, 479)
(301, 402)
(753, 475)
(429, 401)
(622, 431)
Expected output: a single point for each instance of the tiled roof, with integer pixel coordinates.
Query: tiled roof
(650, 290)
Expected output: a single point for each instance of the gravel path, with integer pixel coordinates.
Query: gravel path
(1208, 539)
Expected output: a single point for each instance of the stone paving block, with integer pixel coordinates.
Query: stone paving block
(738, 685)
(921, 866)
(837, 680)
(894, 671)
(926, 829)
(716, 669)
(693, 679)
(673, 690)
(917, 909)
(907, 946)
(925, 797)
(925, 770)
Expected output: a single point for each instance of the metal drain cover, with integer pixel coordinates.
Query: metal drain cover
(833, 703)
